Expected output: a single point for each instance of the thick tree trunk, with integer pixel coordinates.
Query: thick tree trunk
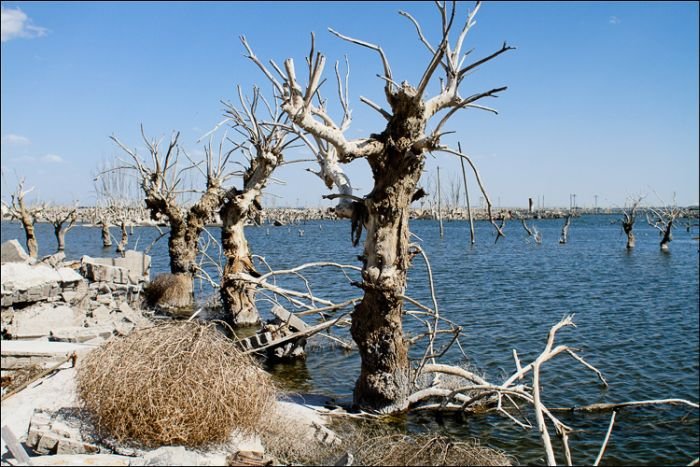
(238, 297)
(183, 257)
(667, 236)
(60, 239)
(384, 379)
(627, 227)
(32, 244)
(106, 237)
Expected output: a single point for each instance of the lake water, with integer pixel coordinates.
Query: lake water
(637, 316)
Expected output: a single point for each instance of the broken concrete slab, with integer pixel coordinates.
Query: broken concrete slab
(40, 320)
(54, 260)
(52, 394)
(81, 334)
(179, 455)
(82, 459)
(58, 433)
(15, 354)
(133, 268)
(12, 252)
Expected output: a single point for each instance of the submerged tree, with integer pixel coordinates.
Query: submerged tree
(396, 156)
(662, 219)
(565, 230)
(263, 148)
(58, 217)
(161, 180)
(629, 217)
(27, 215)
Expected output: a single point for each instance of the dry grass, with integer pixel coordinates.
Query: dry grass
(425, 449)
(169, 291)
(177, 383)
(17, 378)
(374, 443)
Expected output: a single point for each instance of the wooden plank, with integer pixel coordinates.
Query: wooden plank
(13, 445)
(289, 318)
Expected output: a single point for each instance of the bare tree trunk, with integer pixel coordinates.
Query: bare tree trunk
(466, 195)
(627, 227)
(121, 247)
(106, 237)
(237, 296)
(442, 229)
(667, 236)
(565, 230)
(60, 238)
(32, 244)
(383, 384)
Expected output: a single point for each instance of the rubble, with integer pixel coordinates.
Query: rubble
(50, 301)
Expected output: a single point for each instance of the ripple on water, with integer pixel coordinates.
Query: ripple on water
(637, 317)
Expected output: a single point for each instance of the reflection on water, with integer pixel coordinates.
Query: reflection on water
(636, 312)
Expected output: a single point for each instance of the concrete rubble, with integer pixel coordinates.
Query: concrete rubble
(54, 300)
(52, 309)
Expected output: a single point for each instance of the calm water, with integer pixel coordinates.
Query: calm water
(637, 317)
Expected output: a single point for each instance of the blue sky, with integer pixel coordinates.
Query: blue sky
(602, 98)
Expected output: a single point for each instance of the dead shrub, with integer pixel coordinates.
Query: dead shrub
(425, 449)
(177, 383)
(169, 291)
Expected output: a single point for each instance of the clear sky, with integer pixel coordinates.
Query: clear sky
(602, 98)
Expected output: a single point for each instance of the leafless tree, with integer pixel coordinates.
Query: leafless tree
(27, 215)
(115, 190)
(565, 230)
(396, 157)
(161, 180)
(263, 146)
(629, 216)
(662, 219)
(58, 218)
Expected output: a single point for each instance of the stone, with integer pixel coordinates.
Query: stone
(169, 455)
(80, 334)
(12, 252)
(54, 260)
(68, 276)
(82, 459)
(18, 354)
(40, 320)
(58, 433)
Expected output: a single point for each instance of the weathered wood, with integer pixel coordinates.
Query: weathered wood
(292, 321)
(15, 448)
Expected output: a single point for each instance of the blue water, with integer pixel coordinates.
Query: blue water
(637, 316)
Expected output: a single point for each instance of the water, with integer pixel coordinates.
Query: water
(637, 318)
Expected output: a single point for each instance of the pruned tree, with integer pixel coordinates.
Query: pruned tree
(161, 181)
(115, 190)
(27, 215)
(263, 147)
(662, 219)
(629, 216)
(396, 156)
(58, 218)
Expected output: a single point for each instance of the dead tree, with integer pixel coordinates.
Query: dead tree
(263, 148)
(565, 230)
(466, 197)
(114, 188)
(662, 220)
(26, 215)
(396, 156)
(629, 216)
(57, 218)
(161, 181)
(121, 246)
